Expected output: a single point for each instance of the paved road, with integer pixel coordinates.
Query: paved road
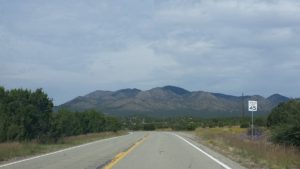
(141, 150)
(89, 156)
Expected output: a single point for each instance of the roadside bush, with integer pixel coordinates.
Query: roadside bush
(287, 134)
(285, 113)
(68, 123)
(284, 122)
(244, 125)
(24, 114)
(189, 126)
(260, 121)
(149, 127)
(27, 115)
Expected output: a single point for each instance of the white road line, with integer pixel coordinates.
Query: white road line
(59, 151)
(205, 153)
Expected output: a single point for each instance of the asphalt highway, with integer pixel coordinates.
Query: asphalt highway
(137, 150)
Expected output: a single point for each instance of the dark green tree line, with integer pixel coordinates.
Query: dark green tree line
(68, 123)
(27, 115)
(186, 123)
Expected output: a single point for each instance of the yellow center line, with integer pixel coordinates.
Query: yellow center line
(123, 154)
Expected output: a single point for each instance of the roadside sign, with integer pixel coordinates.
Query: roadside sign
(252, 105)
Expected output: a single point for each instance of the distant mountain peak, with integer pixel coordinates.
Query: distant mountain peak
(127, 92)
(176, 90)
(276, 95)
(277, 98)
(170, 101)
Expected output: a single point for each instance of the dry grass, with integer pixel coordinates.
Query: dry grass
(16, 150)
(259, 153)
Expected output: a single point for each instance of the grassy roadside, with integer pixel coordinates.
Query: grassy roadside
(17, 150)
(233, 142)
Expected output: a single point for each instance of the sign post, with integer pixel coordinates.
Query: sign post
(252, 106)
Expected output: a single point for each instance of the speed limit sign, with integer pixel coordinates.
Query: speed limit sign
(252, 105)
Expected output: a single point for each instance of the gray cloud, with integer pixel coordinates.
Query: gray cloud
(73, 47)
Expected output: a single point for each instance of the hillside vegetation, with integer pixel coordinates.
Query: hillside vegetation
(170, 101)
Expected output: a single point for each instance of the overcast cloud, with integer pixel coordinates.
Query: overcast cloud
(71, 47)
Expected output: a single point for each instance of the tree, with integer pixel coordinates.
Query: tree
(112, 124)
(285, 113)
(65, 123)
(3, 117)
(93, 121)
(24, 114)
(284, 122)
(27, 115)
(149, 127)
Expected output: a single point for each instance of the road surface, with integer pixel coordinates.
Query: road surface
(138, 150)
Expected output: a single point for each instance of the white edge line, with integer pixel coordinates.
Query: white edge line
(208, 155)
(59, 151)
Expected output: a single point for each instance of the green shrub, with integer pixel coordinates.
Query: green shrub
(244, 125)
(149, 127)
(260, 121)
(27, 115)
(287, 134)
(285, 113)
(284, 122)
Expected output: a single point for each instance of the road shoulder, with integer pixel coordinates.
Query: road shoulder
(191, 137)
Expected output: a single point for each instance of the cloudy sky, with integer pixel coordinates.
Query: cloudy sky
(74, 47)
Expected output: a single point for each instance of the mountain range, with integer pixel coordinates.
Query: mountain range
(170, 101)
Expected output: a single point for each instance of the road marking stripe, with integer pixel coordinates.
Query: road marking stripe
(59, 151)
(122, 155)
(208, 155)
